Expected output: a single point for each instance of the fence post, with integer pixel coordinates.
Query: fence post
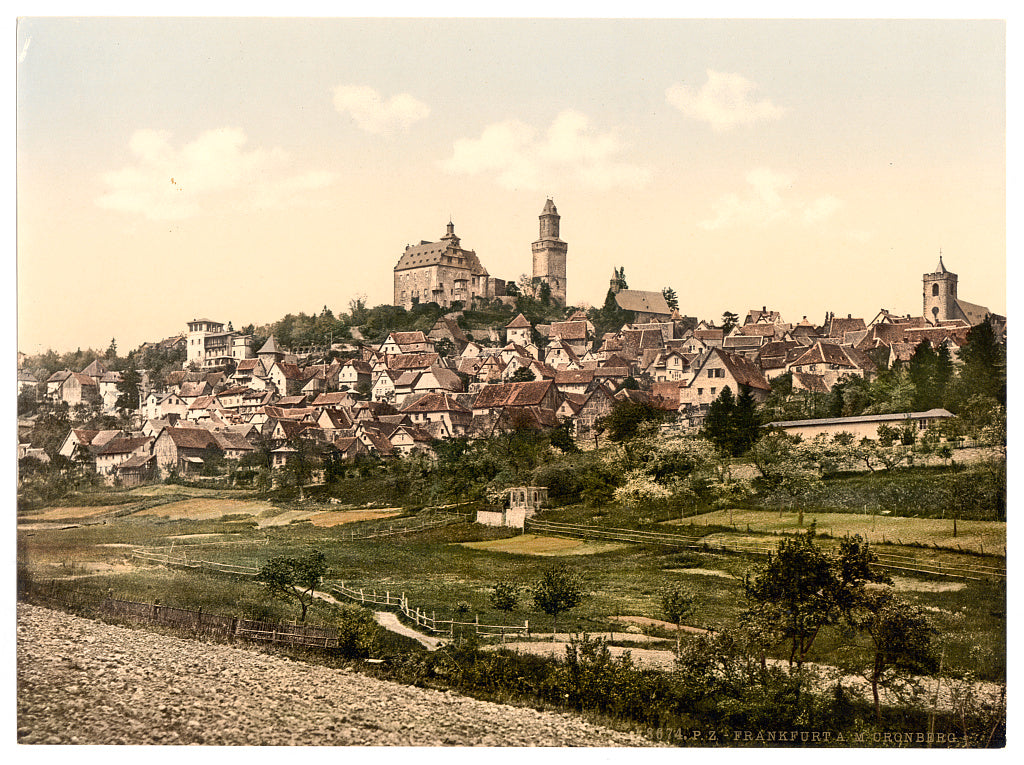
(477, 628)
(526, 624)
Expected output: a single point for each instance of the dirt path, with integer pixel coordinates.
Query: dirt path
(390, 621)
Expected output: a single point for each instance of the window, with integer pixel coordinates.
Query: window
(935, 290)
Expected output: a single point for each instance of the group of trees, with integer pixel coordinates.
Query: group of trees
(557, 590)
(804, 589)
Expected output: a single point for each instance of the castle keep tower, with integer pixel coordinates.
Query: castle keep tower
(940, 301)
(549, 254)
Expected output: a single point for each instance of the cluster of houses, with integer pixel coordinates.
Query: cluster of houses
(414, 388)
(400, 396)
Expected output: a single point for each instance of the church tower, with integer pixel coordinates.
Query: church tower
(940, 301)
(549, 254)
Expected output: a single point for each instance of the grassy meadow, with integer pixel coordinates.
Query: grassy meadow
(441, 568)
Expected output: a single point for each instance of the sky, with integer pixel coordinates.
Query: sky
(242, 169)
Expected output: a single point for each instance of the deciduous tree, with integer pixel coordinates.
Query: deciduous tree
(295, 579)
(559, 589)
(677, 604)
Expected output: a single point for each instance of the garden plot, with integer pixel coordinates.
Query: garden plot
(532, 544)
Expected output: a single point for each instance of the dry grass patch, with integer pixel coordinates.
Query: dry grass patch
(64, 513)
(532, 544)
(906, 584)
(205, 509)
(339, 517)
(702, 572)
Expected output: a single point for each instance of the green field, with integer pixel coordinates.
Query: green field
(440, 568)
(975, 536)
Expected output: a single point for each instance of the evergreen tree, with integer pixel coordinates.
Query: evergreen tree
(729, 321)
(922, 370)
(984, 364)
(671, 298)
(128, 389)
(746, 427)
(944, 372)
(719, 421)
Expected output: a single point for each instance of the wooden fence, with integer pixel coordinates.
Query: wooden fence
(365, 597)
(886, 561)
(182, 560)
(395, 528)
(198, 621)
(91, 600)
(421, 619)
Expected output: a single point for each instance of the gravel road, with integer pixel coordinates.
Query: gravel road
(86, 682)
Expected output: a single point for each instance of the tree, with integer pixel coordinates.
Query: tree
(112, 349)
(984, 364)
(802, 589)
(544, 293)
(922, 370)
(628, 417)
(671, 299)
(677, 604)
(784, 466)
(443, 347)
(523, 374)
(718, 421)
(900, 635)
(294, 578)
(129, 397)
(729, 322)
(505, 597)
(792, 595)
(731, 423)
(559, 589)
(619, 278)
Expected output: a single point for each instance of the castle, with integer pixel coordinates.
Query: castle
(444, 272)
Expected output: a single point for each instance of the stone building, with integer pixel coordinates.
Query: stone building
(442, 272)
(941, 302)
(210, 346)
(549, 254)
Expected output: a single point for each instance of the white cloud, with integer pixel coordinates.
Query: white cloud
(214, 172)
(767, 201)
(724, 102)
(522, 157)
(821, 209)
(375, 115)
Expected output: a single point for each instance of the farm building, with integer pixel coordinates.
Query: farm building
(862, 426)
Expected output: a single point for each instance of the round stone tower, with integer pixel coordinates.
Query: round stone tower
(940, 294)
(549, 254)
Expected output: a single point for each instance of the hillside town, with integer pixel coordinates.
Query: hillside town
(235, 395)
